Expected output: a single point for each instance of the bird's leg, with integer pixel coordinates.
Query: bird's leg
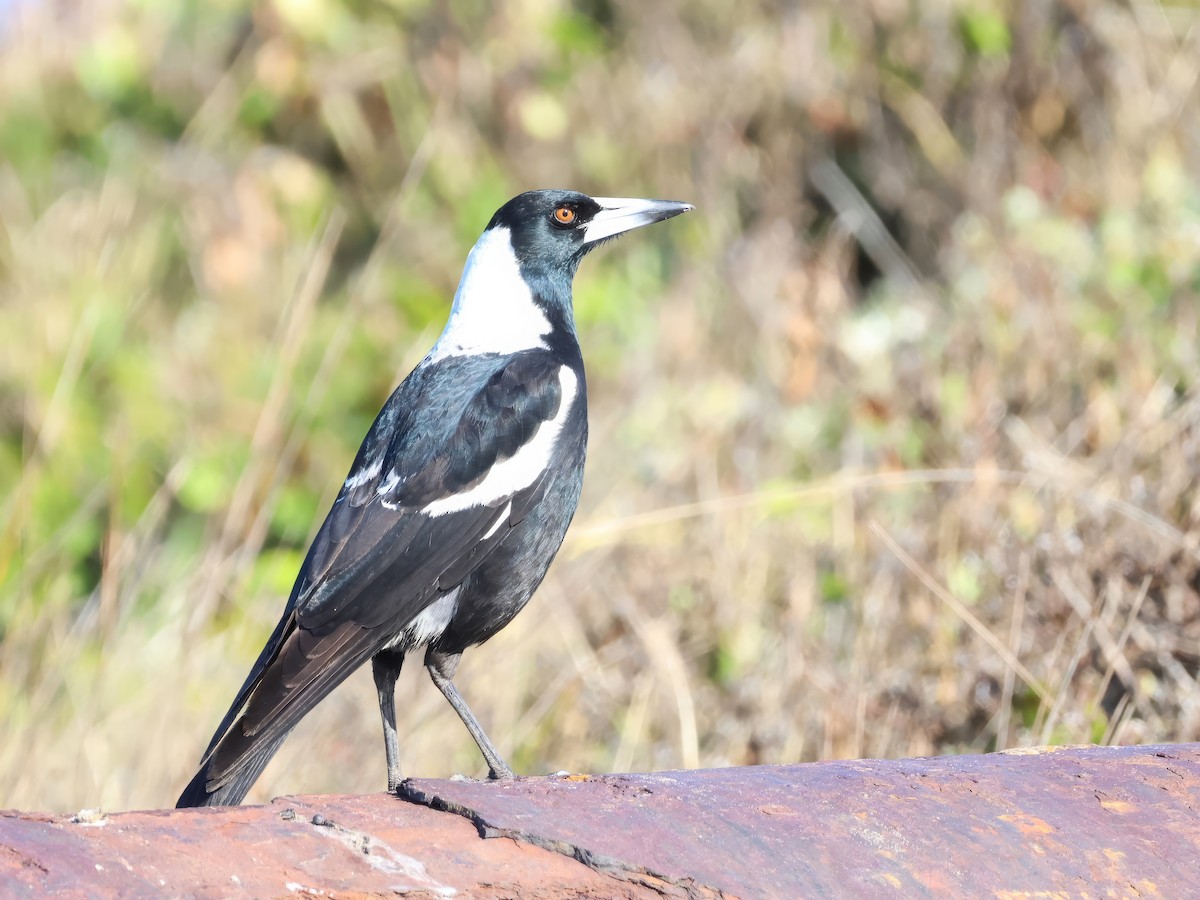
(385, 666)
(442, 667)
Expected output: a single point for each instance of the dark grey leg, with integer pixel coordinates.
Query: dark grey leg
(442, 667)
(385, 666)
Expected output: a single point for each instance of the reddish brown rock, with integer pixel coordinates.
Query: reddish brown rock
(1063, 822)
(1069, 822)
(375, 845)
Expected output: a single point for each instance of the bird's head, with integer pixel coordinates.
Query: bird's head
(553, 230)
(516, 287)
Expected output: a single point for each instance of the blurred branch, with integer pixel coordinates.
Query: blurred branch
(264, 447)
(960, 610)
(1014, 644)
(209, 124)
(933, 135)
(856, 214)
(662, 646)
(842, 483)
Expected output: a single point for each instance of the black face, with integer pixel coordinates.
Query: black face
(548, 228)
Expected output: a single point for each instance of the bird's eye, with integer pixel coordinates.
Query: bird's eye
(564, 215)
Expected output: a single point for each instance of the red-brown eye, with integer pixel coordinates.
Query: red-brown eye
(564, 215)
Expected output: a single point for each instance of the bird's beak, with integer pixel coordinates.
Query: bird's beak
(620, 214)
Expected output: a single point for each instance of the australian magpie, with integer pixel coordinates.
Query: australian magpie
(458, 500)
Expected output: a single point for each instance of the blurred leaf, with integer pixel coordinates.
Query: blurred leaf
(1026, 704)
(319, 21)
(1099, 726)
(965, 579)
(986, 32)
(844, 46)
(274, 572)
(478, 198)
(682, 598)
(913, 443)
(1026, 512)
(722, 665)
(954, 397)
(208, 486)
(302, 190)
(424, 305)
(113, 65)
(543, 116)
(295, 513)
(1022, 206)
(834, 587)
(576, 35)
(258, 108)
(26, 138)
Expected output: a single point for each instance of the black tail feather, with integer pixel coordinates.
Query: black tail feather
(232, 792)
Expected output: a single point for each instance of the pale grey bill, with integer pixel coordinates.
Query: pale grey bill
(619, 214)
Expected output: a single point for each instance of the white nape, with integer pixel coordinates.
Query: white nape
(494, 310)
(521, 469)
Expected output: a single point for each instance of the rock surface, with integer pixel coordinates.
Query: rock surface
(1055, 822)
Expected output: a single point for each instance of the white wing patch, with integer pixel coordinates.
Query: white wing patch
(388, 485)
(365, 475)
(500, 520)
(494, 310)
(523, 468)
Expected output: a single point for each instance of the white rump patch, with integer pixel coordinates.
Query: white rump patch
(427, 626)
(494, 310)
(523, 468)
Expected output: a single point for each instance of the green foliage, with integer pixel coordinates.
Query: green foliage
(226, 230)
(965, 580)
(986, 32)
(834, 588)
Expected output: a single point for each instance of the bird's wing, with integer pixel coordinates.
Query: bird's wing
(412, 524)
(413, 518)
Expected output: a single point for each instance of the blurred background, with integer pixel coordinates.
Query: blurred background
(895, 440)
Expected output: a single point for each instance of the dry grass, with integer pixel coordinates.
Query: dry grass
(895, 442)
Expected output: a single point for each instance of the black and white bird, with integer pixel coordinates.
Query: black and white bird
(457, 502)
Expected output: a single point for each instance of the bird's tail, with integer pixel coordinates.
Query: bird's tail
(249, 767)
